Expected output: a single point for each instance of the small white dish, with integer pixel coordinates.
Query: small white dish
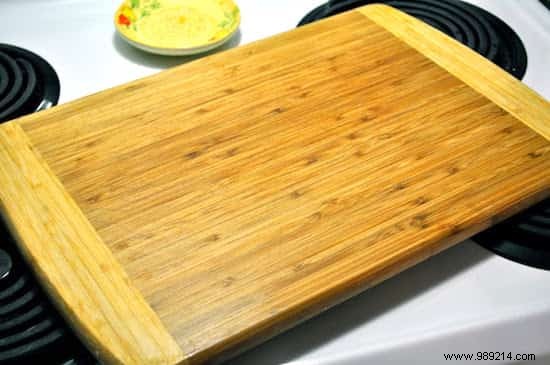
(177, 27)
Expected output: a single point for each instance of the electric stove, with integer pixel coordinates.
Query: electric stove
(466, 300)
(30, 327)
(27, 83)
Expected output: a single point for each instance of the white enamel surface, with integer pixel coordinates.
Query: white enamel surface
(463, 300)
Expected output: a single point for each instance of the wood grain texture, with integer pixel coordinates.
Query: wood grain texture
(74, 265)
(250, 190)
(478, 72)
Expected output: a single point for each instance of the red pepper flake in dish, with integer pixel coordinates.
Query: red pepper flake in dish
(124, 20)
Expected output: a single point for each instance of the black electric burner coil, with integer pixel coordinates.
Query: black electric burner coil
(524, 238)
(469, 24)
(31, 332)
(27, 83)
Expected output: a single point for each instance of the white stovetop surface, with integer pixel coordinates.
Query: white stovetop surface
(463, 300)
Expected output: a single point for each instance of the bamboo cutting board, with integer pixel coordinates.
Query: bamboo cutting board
(187, 216)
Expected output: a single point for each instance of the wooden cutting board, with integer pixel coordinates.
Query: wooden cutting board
(187, 216)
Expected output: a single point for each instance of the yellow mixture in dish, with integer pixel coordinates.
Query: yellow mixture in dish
(177, 23)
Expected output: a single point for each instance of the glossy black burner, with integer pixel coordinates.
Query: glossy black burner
(30, 330)
(524, 238)
(546, 3)
(472, 26)
(27, 83)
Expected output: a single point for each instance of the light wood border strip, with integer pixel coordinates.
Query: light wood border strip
(77, 269)
(479, 73)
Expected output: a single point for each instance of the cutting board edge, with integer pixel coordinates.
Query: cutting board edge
(476, 71)
(267, 330)
(74, 266)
